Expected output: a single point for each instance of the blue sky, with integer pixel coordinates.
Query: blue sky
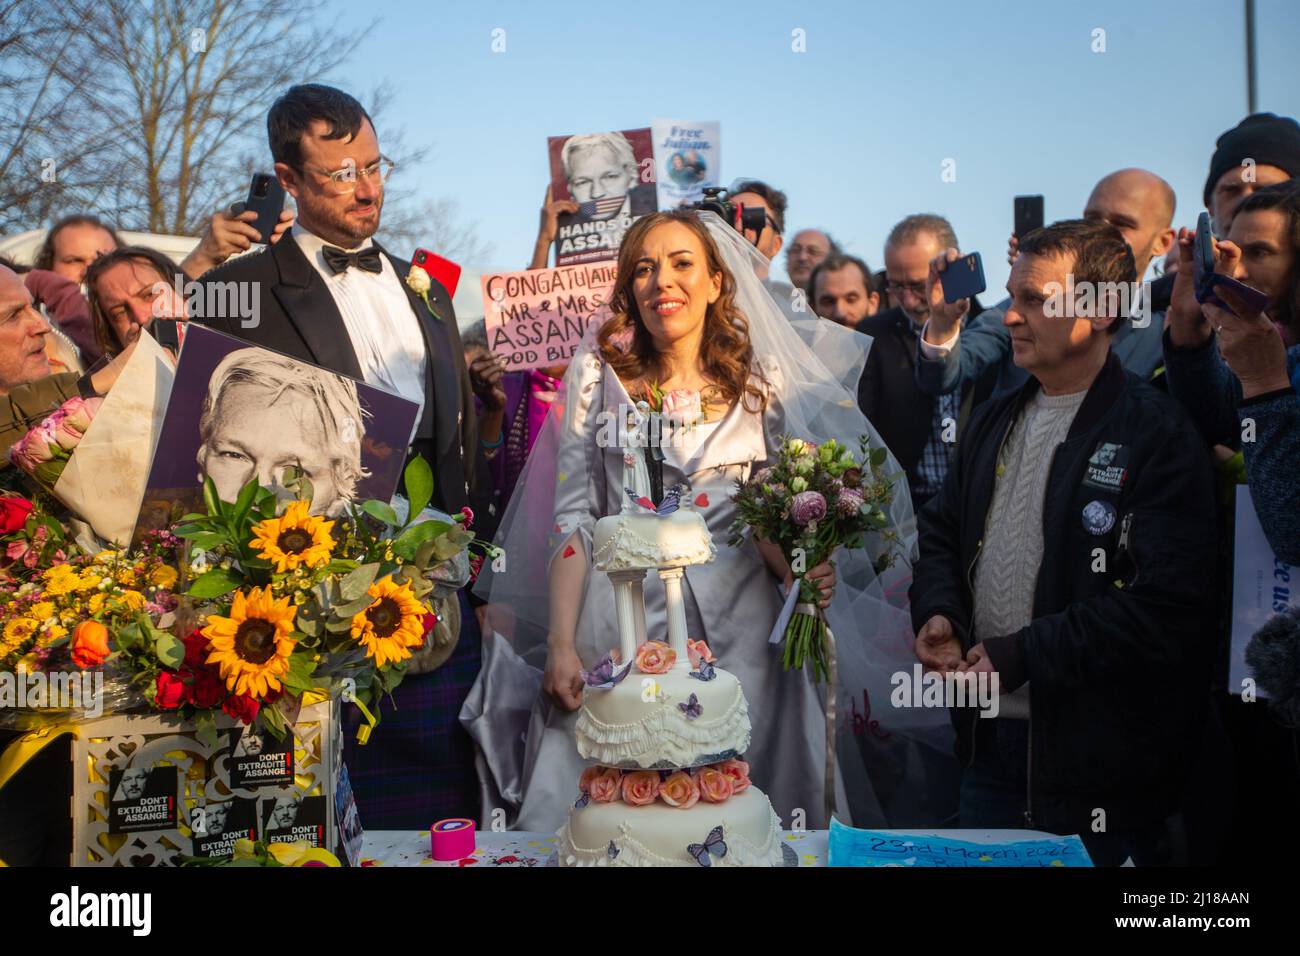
(856, 128)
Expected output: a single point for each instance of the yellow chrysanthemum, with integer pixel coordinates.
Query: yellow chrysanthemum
(252, 646)
(54, 632)
(63, 584)
(134, 600)
(392, 625)
(96, 604)
(295, 538)
(20, 629)
(59, 571)
(89, 581)
(163, 576)
(42, 610)
(126, 577)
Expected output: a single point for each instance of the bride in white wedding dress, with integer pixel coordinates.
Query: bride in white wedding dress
(692, 320)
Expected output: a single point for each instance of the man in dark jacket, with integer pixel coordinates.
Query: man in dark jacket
(919, 428)
(1070, 555)
(331, 296)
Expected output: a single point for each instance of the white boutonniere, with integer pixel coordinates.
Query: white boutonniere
(417, 280)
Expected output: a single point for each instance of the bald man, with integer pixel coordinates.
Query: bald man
(1141, 206)
(28, 390)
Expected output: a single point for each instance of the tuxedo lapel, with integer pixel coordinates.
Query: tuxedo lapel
(310, 309)
(443, 411)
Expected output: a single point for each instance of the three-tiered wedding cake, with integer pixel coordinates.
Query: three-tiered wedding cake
(665, 728)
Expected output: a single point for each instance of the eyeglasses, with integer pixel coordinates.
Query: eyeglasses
(898, 288)
(344, 181)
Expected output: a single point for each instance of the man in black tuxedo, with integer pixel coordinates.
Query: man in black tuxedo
(330, 295)
(919, 429)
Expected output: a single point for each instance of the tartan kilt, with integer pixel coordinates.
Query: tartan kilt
(419, 765)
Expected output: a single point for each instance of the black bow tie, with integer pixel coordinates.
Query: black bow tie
(367, 259)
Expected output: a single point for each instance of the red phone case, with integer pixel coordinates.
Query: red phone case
(444, 270)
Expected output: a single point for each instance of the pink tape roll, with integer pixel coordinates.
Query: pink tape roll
(452, 839)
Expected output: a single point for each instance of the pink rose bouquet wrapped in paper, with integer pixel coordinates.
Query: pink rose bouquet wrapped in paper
(45, 450)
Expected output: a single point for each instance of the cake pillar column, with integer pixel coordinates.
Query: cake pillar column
(631, 618)
(638, 608)
(672, 578)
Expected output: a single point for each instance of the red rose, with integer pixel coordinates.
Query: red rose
(196, 650)
(13, 514)
(170, 690)
(208, 689)
(242, 708)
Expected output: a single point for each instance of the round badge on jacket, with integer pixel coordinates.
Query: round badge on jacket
(1098, 517)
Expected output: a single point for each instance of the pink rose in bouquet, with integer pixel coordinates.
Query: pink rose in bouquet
(715, 786)
(606, 786)
(682, 406)
(74, 418)
(680, 790)
(640, 787)
(737, 771)
(44, 451)
(655, 657)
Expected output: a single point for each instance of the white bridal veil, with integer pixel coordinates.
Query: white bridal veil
(895, 763)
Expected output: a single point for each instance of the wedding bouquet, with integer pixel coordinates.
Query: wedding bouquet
(810, 501)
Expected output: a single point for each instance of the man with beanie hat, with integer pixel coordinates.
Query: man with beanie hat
(1261, 150)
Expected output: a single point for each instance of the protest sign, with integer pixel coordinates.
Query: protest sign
(238, 412)
(1261, 587)
(688, 158)
(611, 177)
(537, 318)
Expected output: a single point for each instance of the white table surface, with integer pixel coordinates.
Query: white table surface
(519, 849)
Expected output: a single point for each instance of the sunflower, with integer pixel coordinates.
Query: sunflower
(295, 538)
(253, 645)
(392, 625)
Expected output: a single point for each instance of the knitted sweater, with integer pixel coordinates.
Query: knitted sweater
(1007, 568)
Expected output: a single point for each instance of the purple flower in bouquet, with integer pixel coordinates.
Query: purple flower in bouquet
(848, 501)
(807, 506)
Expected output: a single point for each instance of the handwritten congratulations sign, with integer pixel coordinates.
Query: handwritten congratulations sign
(852, 847)
(537, 318)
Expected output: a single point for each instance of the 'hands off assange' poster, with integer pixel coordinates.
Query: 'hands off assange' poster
(537, 318)
(611, 177)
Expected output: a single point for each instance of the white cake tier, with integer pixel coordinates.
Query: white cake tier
(631, 542)
(659, 835)
(638, 724)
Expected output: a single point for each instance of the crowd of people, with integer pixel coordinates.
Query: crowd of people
(1069, 478)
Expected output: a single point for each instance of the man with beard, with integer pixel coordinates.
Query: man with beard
(330, 295)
